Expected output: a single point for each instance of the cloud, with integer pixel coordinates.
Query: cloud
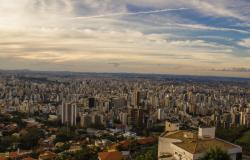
(115, 64)
(107, 35)
(216, 8)
(245, 43)
(132, 13)
(205, 27)
(241, 69)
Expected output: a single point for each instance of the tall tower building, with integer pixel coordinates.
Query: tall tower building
(91, 102)
(136, 97)
(69, 113)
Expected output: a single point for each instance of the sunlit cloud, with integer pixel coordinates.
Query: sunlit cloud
(245, 43)
(124, 36)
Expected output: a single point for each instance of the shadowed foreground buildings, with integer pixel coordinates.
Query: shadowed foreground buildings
(176, 144)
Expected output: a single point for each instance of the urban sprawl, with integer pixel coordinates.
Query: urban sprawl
(121, 116)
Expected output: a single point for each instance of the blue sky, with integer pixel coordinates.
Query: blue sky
(146, 36)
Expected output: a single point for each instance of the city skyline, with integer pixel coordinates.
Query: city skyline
(166, 37)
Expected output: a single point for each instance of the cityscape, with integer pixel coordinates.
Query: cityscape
(124, 80)
(46, 115)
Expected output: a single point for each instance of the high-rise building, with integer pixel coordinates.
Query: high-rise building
(85, 121)
(91, 102)
(124, 118)
(245, 118)
(160, 114)
(136, 117)
(69, 113)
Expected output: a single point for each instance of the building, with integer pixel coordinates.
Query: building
(124, 118)
(137, 117)
(97, 119)
(115, 155)
(92, 102)
(47, 155)
(160, 114)
(245, 118)
(69, 113)
(85, 121)
(176, 144)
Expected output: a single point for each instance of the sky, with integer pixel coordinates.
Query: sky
(190, 37)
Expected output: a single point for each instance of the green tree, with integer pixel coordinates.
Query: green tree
(231, 134)
(86, 153)
(30, 138)
(244, 141)
(64, 135)
(65, 147)
(5, 142)
(216, 154)
(149, 154)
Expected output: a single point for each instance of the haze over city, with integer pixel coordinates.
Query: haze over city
(139, 36)
(124, 79)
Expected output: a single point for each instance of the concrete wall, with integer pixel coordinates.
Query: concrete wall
(181, 154)
(164, 145)
(170, 127)
(206, 132)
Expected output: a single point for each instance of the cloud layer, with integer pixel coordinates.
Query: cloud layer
(161, 36)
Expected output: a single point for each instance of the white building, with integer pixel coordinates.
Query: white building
(69, 113)
(160, 114)
(175, 144)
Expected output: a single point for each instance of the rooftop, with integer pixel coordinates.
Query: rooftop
(115, 155)
(195, 145)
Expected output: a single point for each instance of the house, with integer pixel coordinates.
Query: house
(28, 158)
(114, 155)
(176, 144)
(47, 155)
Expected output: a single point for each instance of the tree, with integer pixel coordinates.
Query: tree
(5, 142)
(149, 154)
(30, 138)
(85, 153)
(216, 154)
(64, 135)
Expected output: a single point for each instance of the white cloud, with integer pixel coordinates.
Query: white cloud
(213, 7)
(49, 32)
(132, 13)
(245, 43)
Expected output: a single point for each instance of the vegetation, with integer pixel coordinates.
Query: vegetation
(231, 134)
(239, 135)
(27, 140)
(85, 153)
(30, 138)
(148, 154)
(65, 147)
(64, 134)
(216, 154)
(244, 141)
(6, 142)
(15, 117)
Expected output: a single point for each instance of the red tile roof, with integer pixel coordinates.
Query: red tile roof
(14, 155)
(47, 155)
(110, 155)
(28, 158)
(125, 143)
(147, 140)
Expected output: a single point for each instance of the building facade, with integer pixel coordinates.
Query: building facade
(176, 144)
